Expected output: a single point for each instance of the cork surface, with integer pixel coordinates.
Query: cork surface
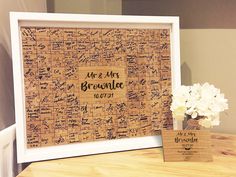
(89, 84)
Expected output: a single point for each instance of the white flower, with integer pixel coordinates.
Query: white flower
(205, 122)
(178, 113)
(199, 100)
(180, 96)
(215, 120)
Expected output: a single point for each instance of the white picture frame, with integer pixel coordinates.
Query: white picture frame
(71, 20)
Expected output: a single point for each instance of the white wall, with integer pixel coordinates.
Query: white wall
(86, 6)
(6, 79)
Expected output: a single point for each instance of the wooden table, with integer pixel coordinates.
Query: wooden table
(141, 163)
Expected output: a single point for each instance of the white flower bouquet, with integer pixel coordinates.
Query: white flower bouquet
(199, 102)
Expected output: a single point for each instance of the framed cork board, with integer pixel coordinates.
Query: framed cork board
(87, 84)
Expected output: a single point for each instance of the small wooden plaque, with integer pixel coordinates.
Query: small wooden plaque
(186, 145)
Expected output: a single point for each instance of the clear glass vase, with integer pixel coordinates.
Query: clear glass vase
(192, 124)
